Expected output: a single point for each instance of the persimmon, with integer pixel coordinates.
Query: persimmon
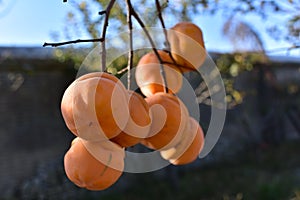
(149, 78)
(139, 122)
(190, 146)
(187, 45)
(94, 165)
(94, 106)
(169, 117)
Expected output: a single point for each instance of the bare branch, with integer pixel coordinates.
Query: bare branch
(168, 46)
(219, 105)
(72, 42)
(287, 49)
(201, 88)
(102, 12)
(102, 39)
(179, 66)
(204, 94)
(130, 52)
(104, 29)
(141, 23)
(276, 50)
(122, 70)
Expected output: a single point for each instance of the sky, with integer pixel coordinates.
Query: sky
(31, 22)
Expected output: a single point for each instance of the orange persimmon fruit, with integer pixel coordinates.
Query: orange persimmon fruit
(190, 146)
(187, 45)
(94, 165)
(169, 118)
(149, 78)
(94, 106)
(139, 122)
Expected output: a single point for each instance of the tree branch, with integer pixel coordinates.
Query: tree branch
(72, 42)
(104, 29)
(168, 45)
(287, 49)
(102, 39)
(141, 23)
(158, 8)
(130, 52)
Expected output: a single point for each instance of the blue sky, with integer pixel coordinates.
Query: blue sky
(30, 23)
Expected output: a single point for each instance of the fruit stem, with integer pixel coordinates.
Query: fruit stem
(161, 19)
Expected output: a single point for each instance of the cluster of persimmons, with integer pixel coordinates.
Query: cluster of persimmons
(106, 117)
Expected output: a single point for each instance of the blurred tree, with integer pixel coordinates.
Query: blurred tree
(281, 19)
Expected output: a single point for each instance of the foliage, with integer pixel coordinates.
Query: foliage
(230, 66)
(84, 20)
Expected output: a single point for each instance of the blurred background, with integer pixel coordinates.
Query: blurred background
(255, 46)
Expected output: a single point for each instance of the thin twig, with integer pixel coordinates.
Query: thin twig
(104, 29)
(102, 39)
(202, 87)
(72, 42)
(141, 23)
(275, 50)
(102, 12)
(158, 8)
(161, 19)
(204, 95)
(219, 105)
(130, 52)
(288, 49)
(122, 70)
(179, 66)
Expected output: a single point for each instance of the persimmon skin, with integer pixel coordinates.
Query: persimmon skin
(139, 125)
(85, 171)
(93, 106)
(149, 78)
(166, 131)
(187, 45)
(190, 146)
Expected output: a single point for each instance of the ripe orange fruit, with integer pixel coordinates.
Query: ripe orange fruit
(169, 117)
(149, 78)
(94, 165)
(94, 106)
(187, 45)
(138, 125)
(190, 146)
